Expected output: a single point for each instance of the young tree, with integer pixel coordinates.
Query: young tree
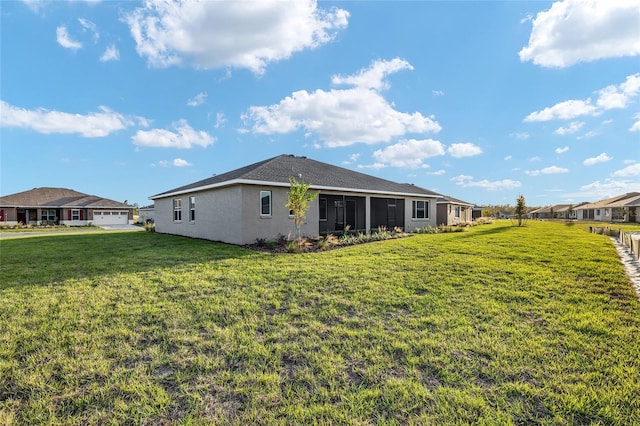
(521, 209)
(298, 202)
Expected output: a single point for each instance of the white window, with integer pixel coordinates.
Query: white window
(420, 209)
(177, 210)
(457, 211)
(192, 209)
(75, 214)
(265, 203)
(48, 215)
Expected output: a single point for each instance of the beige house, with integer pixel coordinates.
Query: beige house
(451, 211)
(248, 203)
(621, 208)
(61, 206)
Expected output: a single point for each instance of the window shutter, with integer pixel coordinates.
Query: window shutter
(1, 215)
(81, 215)
(69, 214)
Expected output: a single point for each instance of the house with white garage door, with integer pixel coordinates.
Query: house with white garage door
(61, 206)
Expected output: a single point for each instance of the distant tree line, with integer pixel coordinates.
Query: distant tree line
(495, 210)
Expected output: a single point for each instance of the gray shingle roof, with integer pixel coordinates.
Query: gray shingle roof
(58, 197)
(445, 199)
(319, 175)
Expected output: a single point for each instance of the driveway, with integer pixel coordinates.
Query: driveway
(122, 228)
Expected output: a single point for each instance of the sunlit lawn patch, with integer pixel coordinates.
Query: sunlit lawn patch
(498, 324)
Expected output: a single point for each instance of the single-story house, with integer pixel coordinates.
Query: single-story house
(146, 214)
(452, 211)
(248, 203)
(61, 206)
(621, 208)
(558, 211)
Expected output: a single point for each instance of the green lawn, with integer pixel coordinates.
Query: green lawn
(497, 325)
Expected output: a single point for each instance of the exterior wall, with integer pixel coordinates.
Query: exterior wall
(146, 214)
(217, 215)
(232, 215)
(9, 216)
(446, 214)
(279, 222)
(410, 224)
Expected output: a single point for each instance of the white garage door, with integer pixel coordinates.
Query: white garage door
(110, 217)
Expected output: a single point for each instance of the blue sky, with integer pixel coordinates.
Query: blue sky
(481, 101)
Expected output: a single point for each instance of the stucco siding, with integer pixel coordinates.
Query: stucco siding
(279, 222)
(216, 215)
(410, 223)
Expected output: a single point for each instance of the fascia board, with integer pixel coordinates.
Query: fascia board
(286, 185)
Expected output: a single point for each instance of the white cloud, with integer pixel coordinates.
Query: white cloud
(184, 137)
(437, 92)
(64, 39)
(551, 170)
(609, 188)
(612, 96)
(562, 150)
(220, 120)
(565, 110)
(636, 126)
(409, 153)
(219, 34)
(179, 162)
(602, 158)
(365, 116)
(459, 150)
(619, 96)
(34, 5)
(88, 25)
(587, 135)
(520, 136)
(92, 125)
(468, 182)
(573, 127)
(374, 166)
(632, 170)
(508, 157)
(198, 99)
(437, 173)
(573, 31)
(534, 159)
(111, 53)
(374, 76)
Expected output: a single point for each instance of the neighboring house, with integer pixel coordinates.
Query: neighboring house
(621, 208)
(558, 211)
(62, 206)
(246, 204)
(146, 214)
(452, 211)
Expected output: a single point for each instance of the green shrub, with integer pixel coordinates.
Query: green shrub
(293, 246)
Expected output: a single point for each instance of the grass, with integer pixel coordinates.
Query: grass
(496, 325)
